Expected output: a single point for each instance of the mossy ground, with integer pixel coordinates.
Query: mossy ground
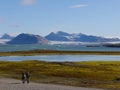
(49, 52)
(100, 74)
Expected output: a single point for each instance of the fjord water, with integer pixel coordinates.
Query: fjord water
(6, 48)
(63, 58)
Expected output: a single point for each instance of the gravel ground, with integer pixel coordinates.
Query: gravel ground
(12, 84)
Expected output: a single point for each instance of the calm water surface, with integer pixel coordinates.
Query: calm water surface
(6, 48)
(63, 58)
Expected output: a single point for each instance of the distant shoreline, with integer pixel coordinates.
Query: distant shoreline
(54, 52)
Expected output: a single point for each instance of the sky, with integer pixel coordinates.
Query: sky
(91, 17)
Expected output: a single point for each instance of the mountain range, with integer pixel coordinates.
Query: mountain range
(63, 36)
(60, 36)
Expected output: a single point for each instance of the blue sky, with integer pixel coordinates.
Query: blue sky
(92, 17)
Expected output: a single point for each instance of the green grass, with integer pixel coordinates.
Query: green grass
(100, 74)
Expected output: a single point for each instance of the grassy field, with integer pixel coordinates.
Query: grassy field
(86, 74)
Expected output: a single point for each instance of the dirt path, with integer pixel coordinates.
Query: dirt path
(12, 84)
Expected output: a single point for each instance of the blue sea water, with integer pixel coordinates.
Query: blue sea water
(6, 48)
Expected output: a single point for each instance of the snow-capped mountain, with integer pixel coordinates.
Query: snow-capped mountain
(63, 36)
(6, 36)
(57, 37)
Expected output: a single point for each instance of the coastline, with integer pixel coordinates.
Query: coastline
(59, 52)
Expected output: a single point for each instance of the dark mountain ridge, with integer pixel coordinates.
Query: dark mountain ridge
(28, 39)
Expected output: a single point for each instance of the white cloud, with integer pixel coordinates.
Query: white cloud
(28, 2)
(15, 25)
(79, 6)
(2, 20)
